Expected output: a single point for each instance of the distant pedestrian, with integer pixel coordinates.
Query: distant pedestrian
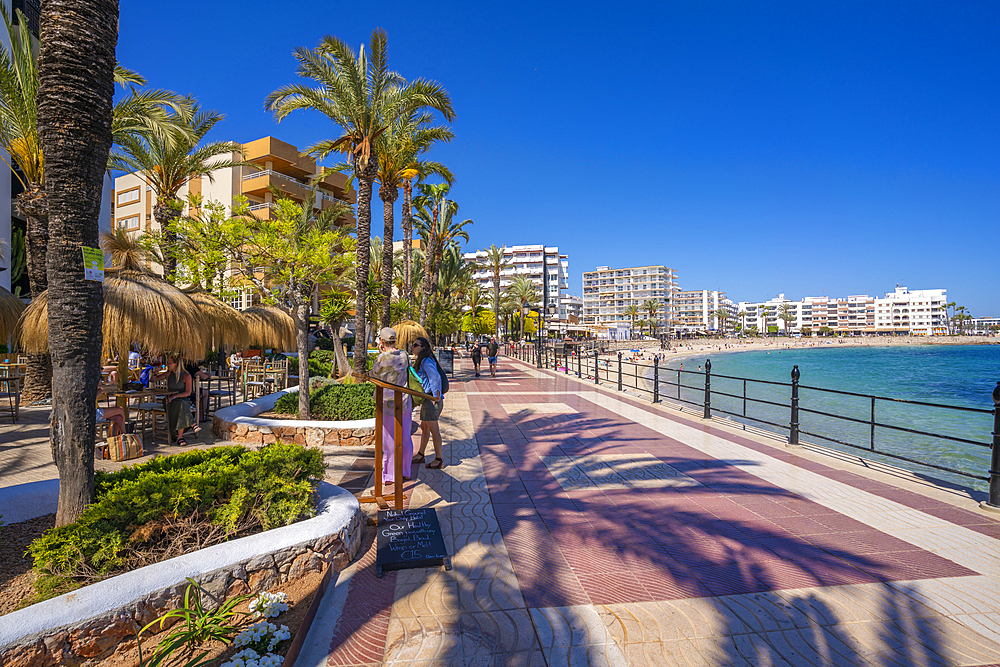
(491, 353)
(477, 356)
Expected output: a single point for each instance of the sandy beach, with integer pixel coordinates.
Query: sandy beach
(695, 348)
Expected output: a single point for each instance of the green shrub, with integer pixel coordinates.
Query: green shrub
(323, 344)
(235, 488)
(335, 402)
(320, 363)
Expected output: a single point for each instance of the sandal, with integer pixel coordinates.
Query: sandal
(181, 442)
(436, 464)
(419, 458)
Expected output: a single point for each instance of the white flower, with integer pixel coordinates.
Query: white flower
(269, 605)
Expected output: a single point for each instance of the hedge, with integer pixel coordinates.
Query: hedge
(234, 488)
(334, 402)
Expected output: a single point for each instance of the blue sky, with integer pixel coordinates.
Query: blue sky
(806, 148)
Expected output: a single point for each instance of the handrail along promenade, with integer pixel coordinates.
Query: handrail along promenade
(652, 380)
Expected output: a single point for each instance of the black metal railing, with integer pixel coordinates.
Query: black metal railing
(809, 410)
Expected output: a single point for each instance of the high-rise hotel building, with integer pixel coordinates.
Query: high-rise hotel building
(541, 264)
(608, 293)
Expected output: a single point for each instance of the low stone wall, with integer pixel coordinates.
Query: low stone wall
(240, 423)
(90, 622)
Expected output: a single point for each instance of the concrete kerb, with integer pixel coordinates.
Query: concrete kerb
(240, 423)
(29, 500)
(131, 599)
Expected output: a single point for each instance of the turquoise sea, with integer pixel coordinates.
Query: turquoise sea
(959, 375)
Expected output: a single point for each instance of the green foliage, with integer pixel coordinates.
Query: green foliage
(444, 319)
(199, 625)
(238, 489)
(825, 331)
(320, 363)
(324, 344)
(334, 402)
(772, 329)
(807, 331)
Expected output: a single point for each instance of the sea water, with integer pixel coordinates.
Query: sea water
(956, 375)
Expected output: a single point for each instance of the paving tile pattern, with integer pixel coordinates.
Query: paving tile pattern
(587, 529)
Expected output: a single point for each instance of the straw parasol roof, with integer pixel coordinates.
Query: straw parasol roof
(138, 307)
(226, 324)
(10, 310)
(270, 327)
(408, 331)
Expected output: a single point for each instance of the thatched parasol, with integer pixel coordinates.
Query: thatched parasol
(407, 331)
(10, 311)
(270, 327)
(226, 324)
(138, 307)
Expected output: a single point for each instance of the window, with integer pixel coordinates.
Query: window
(129, 224)
(128, 196)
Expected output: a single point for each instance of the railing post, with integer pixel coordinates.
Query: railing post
(656, 378)
(566, 360)
(793, 427)
(619, 371)
(871, 444)
(994, 501)
(708, 389)
(579, 363)
(597, 371)
(678, 384)
(538, 351)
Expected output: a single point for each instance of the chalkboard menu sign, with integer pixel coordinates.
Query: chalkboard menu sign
(409, 539)
(446, 357)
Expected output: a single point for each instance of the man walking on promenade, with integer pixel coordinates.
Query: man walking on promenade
(491, 352)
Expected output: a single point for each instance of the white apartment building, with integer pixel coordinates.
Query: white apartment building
(697, 311)
(542, 264)
(10, 187)
(984, 326)
(917, 312)
(608, 293)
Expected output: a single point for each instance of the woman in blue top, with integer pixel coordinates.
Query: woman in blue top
(427, 369)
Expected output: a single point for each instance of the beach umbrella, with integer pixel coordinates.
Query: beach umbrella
(10, 311)
(270, 327)
(225, 322)
(139, 307)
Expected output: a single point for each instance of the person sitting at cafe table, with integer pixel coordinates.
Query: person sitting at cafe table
(115, 415)
(179, 405)
(197, 371)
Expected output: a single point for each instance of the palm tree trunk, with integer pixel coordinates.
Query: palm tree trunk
(75, 64)
(341, 365)
(300, 315)
(366, 176)
(496, 303)
(388, 196)
(38, 373)
(166, 215)
(406, 220)
(428, 271)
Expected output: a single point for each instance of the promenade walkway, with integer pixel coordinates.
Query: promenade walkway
(590, 528)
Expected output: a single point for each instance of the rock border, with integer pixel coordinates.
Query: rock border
(90, 622)
(240, 423)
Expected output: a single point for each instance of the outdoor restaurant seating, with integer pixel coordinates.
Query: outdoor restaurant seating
(11, 379)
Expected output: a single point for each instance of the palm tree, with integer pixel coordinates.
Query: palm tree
(358, 92)
(523, 293)
(399, 148)
(722, 315)
(474, 300)
(786, 313)
(334, 310)
(429, 204)
(168, 158)
(743, 321)
(76, 86)
(633, 312)
(651, 306)
(496, 263)
(19, 137)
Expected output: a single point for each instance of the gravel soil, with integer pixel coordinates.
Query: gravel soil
(300, 595)
(16, 578)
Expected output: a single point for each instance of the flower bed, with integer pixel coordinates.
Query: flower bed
(240, 423)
